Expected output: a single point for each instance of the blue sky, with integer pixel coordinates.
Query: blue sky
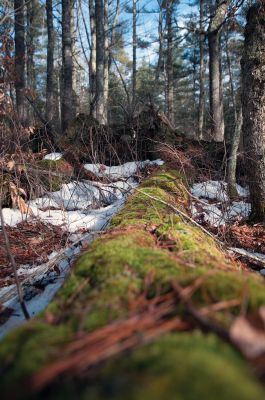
(147, 25)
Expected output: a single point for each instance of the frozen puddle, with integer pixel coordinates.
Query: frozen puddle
(82, 209)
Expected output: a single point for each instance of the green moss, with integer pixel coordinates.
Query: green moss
(52, 165)
(179, 366)
(113, 273)
(26, 350)
(190, 243)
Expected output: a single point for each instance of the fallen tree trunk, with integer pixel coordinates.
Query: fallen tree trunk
(150, 277)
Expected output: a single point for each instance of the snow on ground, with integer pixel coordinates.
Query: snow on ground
(121, 171)
(37, 302)
(77, 207)
(221, 210)
(215, 190)
(53, 156)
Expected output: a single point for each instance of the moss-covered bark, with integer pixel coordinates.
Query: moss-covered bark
(146, 241)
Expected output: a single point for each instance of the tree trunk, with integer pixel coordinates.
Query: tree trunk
(253, 100)
(31, 14)
(50, 82)
(232, 162)
(169, 66)
(106, 60)
(202, 75)
(67, 84)
(161, 44)
(215, 74)
(134, 72)
(20, 59)
(100, 109)
(93, 62)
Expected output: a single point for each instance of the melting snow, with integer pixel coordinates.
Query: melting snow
(121, 171)
(77, 206)
(222, 210)
(215, 190)
(53, 156)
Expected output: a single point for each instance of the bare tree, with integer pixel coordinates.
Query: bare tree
(92, 61)
(216, 97)
(169, 62)
(100, 45)
(67, 66)
(19, 9)
(134, 61)
(50, 81)
(202, 73)
(106, 60)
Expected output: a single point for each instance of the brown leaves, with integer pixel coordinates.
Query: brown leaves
(247, 236)
(248, 333)
(30, 243)
(17, 199)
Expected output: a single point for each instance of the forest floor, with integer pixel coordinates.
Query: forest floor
(45, 242)
(56, 227)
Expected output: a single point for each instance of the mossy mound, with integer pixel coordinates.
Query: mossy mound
(176, 367)
(146, 249)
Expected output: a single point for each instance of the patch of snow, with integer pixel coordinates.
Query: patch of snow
(210, 214)
(216, 190)
(210, 190)
(120, 171)
(13, 217)
(53, 156)
(238, 209)
(76, 207)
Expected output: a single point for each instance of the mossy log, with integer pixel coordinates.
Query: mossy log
(146, 248)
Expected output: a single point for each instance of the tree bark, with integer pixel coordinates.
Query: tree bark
(93, 62)
(50, 81)
(169, 65)
(253, 100)
(100, 42)
(134, 71)
(106, 60)
(202, 74)
(67, 67)
(215, 74)
(232, 162)
(19, 8)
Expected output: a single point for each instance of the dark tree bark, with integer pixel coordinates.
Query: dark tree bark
(253, 100)
(50, 82)
(19, 8)
(100, 45)
(215, 74)
(67, 67)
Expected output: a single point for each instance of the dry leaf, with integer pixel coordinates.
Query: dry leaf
(10, 165)
(17, 200)
(249, 334)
